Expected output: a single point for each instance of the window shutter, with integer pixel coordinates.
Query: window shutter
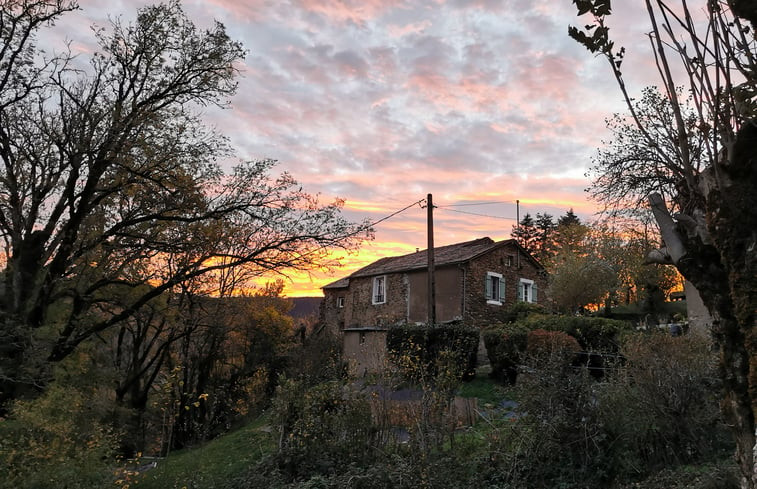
(488, 291)
(502, 290)
(533, 292)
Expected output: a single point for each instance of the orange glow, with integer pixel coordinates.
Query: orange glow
(308, 284)
(357, 205)
(450, 228)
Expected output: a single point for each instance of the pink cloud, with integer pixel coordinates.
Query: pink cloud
(358, 12)
(412, 28)
(249, 10)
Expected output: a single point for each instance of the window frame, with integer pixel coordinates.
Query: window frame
(494, 297)
(522, 295)
(379, 282)
(340, 302)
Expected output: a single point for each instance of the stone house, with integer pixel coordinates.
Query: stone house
(474, 282)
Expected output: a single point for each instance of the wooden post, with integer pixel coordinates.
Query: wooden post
(431, 280)
(517, 226)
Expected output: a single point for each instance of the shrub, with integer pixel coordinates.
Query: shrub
(542, 344)
(321, 429)
(317, 360)
(592, 333)
(521, 310)
(663, 408)
(659, 410)
(419, 351)
(505, 347)
(56, 440)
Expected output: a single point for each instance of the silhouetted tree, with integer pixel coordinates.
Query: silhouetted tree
(526, 234)
(110, 181)
(710, 178)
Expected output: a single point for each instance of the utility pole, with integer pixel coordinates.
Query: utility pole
(517, 226)
(431, 281)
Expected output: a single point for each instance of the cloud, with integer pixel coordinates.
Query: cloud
(383, 101)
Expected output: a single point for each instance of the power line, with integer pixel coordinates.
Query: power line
(477, 214)
(370, 225)
(479, 203)
(397, 212)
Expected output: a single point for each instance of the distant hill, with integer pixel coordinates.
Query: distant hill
(305, 306)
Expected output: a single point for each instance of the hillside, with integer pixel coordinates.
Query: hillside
(305, 306)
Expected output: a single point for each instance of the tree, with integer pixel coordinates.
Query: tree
(569, 219)
(711, 238)
(570, 234)
(110, 181)
(545, 228)
(525, 233)
(577, 281)
(636, 162)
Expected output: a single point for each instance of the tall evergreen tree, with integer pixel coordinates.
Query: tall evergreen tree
(526, 233)
(545, 228)
(568, 219)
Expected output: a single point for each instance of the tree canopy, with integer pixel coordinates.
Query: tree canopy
(111, 183)
(693, 152)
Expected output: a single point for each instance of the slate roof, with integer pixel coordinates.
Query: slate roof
(443, 255)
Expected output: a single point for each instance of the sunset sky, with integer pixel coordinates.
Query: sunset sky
(380, 102)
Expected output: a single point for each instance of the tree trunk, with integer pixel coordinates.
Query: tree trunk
(732, 223)
(721, 262)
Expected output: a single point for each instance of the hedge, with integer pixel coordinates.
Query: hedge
(506, 344)
(419, 345)
(593, 334)
(505, 347)
(543, 344)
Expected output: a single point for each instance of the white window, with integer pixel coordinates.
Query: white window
(526, 290)
(495, 288)
(379, 290)
(340, 302)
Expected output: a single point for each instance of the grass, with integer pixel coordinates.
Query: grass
(714, 474)
(484, 388)
(212, 465)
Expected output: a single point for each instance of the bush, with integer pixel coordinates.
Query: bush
(542, 344)
(317, 360)
(663, 409)
(505, 347)
(592, 333)
(521, 310)
(321, 429)
(419, 351)
(56, 441)
(659, 410)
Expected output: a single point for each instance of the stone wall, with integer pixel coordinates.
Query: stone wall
(504, 261)
(359, 311)
(330, 316)
(459, 293)
(364, 350)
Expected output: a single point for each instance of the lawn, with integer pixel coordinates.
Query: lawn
(484, 388)
(211, 465)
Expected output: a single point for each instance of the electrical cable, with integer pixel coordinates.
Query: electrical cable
(372, 224)
(477, 214)
(478, 203)
(397, 212)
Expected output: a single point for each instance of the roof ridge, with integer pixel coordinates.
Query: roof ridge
(451, 254)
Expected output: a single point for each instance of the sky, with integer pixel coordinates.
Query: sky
(381, 102)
